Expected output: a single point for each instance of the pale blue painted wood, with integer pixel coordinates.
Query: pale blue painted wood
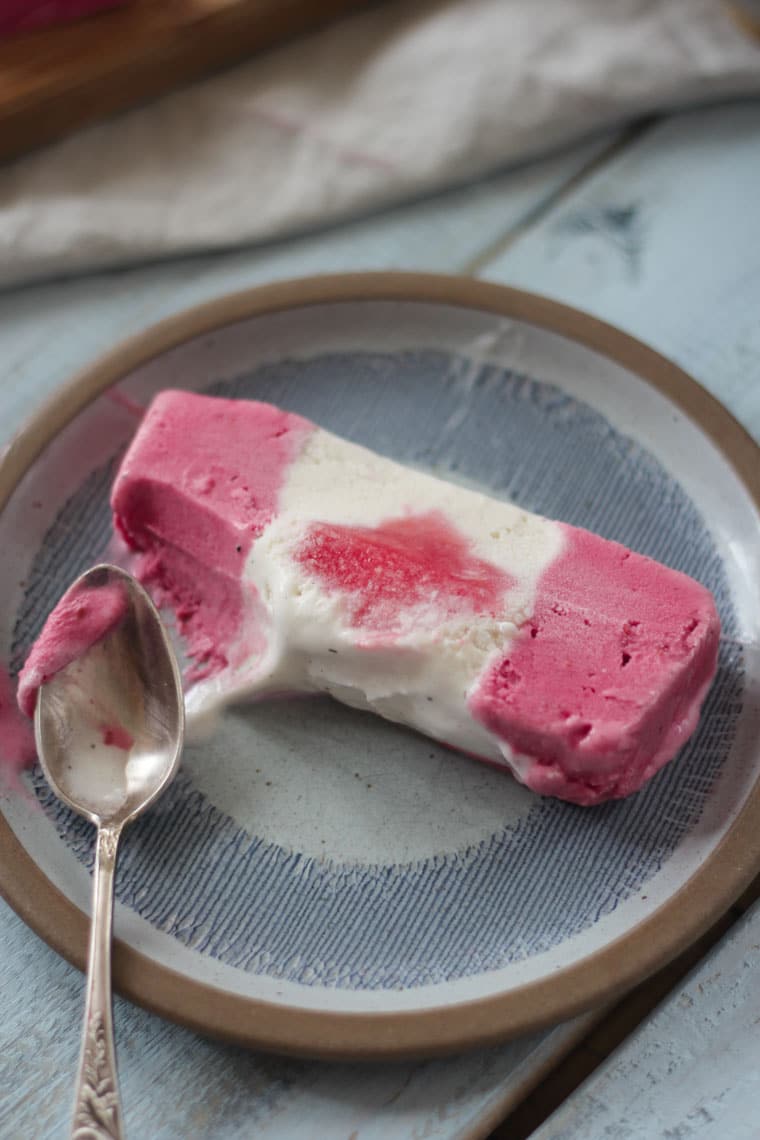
(47, 332)
(664, 241)
(177, 1085)
(692, 1072)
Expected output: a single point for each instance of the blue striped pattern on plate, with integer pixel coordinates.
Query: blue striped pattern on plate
(553, 870)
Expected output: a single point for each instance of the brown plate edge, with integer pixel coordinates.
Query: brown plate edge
(596, 979)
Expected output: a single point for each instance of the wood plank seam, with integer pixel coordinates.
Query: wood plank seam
(613, 1028)
(476, 265)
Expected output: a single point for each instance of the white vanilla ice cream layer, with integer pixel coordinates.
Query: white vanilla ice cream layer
(420, 676)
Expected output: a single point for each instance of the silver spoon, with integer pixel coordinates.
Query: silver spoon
(109, 730)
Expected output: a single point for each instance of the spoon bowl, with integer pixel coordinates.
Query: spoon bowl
(109, 726)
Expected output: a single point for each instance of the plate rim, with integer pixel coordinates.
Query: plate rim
(593, 981)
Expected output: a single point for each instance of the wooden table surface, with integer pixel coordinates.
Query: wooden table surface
(657, 230)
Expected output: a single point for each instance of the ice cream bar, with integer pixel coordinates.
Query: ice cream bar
(296, 561)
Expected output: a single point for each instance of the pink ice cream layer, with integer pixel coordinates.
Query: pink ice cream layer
(607, 681)
(197, 487)
(83, 617)
(600, 687)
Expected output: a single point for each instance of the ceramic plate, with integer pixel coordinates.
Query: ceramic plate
(320, 881)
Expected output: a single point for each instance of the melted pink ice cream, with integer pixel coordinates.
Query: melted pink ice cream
(117, 736)
(197, 487)
(16, 740)
(83, 616)
(607, 682)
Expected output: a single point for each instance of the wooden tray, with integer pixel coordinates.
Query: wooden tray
(56, 80)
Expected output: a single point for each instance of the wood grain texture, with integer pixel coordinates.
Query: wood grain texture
(664, 241)
(177, 1084)
(612, 1030)
(55, 80)
(693, 1070)
(694, 181)
(661, 240)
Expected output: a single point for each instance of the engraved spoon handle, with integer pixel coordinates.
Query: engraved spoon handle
(97, 1111)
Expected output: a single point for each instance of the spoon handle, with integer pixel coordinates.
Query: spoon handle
(97, 1111)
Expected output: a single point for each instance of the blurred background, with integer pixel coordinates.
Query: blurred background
(334, 108)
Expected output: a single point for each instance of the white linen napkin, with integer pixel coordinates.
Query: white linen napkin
(397, 101)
